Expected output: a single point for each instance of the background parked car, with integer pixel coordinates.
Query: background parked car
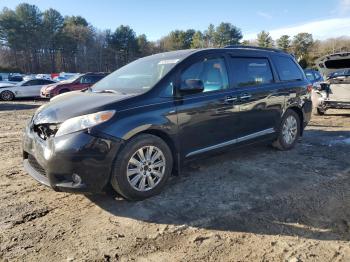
(60, 78)
(340, 76)
(30, 88)
(28, 77)
(79, 82)
(15, 78)
(43, 76)
(313, 76)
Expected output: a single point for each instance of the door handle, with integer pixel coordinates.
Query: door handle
(245, 96)
(230, 99)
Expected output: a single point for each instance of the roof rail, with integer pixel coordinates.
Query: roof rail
(256, 47)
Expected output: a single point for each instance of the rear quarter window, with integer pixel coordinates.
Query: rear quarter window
(287, 69)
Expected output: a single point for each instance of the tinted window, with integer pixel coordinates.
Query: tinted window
(86, 80)
(211, 71)
(45, 82)
(90, 79)
(317, 75)
(287, 69)
(250, 71)
(310, 76)
(32, 82)
(98, 78)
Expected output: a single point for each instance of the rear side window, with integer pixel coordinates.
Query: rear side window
(287, 69)
(44, 82)
(250, 71)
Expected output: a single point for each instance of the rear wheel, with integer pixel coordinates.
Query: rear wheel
(289, 131)
(142, 167)
(7, 95)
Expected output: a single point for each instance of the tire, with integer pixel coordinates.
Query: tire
(7, 95)
(124, 162)
(320, 112)
(288, 131)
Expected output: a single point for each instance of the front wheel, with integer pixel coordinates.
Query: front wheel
(7, 95)
(142, 167)
(288, 131)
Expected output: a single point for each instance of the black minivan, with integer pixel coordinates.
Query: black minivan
(137, 126)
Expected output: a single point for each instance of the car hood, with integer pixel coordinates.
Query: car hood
(72, 104)
(6, 85)
(50, 86)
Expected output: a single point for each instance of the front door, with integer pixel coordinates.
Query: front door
(31, 88)
(205, 120)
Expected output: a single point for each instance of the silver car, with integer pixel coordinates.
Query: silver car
(331, 93)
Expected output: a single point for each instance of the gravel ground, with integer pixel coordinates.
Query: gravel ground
(251, 204)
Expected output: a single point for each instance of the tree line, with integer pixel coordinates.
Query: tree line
(35, 41)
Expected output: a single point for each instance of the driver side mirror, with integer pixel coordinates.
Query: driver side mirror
(191, 86)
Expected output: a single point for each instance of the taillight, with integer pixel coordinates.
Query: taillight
(309, 88)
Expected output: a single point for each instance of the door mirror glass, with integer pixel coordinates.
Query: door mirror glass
(192, 86)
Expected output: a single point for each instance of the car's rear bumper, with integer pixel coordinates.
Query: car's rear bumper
(79, 162)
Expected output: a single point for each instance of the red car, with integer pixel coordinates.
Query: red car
(79, 82)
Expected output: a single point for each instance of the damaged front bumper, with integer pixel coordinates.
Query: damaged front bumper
(77, 162)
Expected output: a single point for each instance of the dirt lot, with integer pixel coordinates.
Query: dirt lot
(253, 204)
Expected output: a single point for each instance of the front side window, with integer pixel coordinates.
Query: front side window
(87, 80)
(287, 69)
(247, 72)
(212, 72)
(32, 82)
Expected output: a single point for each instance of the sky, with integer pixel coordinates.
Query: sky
(156, 18)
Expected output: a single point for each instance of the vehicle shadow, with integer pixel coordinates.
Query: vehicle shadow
(303, 192)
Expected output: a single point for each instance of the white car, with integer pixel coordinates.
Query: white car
(29, 88)
(7, 83)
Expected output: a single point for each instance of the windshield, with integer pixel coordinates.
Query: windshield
(140, 75)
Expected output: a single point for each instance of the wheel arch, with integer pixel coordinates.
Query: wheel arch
(7, 90)
(169, 141)
(300, 113)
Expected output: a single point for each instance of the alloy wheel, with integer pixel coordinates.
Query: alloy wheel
(146, 168)
(290, 130)
(6, 96)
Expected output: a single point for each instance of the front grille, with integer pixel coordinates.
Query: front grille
(32, 161)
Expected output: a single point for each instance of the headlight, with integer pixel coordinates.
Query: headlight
(48, 88)
(83, 122)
